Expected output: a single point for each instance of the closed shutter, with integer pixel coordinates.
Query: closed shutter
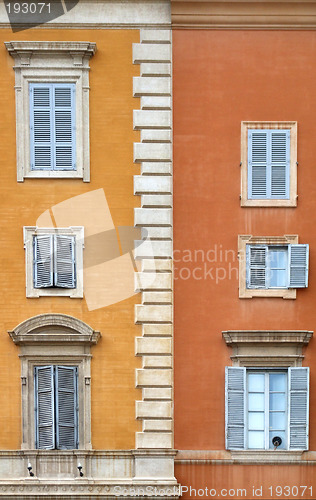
(64, 126)
(280, 163)
(41, 120)
(257, 163)
(268, 164)
(66, 407)
(52, 124)
(44, 407)
(235, 386)
(64, 265)
(256, 266)
(298, 257)
(298, 407)
(43, 261)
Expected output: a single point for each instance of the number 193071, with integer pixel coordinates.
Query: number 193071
(28, 8)
(291, 491)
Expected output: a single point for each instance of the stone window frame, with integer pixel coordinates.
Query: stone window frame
(267, 349)
(55, 339)
(249, 293)
(31, 292)
(51, 62)
(277, 125)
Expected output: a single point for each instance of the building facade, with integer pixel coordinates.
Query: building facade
(86, 342)
(244, 240)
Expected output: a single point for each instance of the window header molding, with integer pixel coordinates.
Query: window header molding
(22, 51)
(54, 328)
(267, 348)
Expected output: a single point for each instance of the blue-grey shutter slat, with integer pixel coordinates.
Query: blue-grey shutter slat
(257, 163)
(298, 407)
(64, 126)
(256, 266)
(44, 407)
(298, 257)
(41, 127)
(280, 163)
(66, 407)
(235, 387)
(43, 261)
(64, 261)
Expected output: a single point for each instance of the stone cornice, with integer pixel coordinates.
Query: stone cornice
(18, 48)
(54, 328)
(235, 337)
(246, 14)
(262, 348)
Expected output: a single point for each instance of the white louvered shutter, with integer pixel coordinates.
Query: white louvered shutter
(64, 126)
(256, 266)
(280, 163)
(298, 257)
(43, 261)
(41, 126)
(298, 407)
(235, 387)
(64, 261)
(257, 163)
(66, 407)
(44, 407)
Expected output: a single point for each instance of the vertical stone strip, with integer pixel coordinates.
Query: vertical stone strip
(154, 281)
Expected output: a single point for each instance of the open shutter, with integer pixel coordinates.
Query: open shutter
(66, 407)
(43, 261)
(298, 256)
(64, 126)
(44, 407)
(41, 127)
(235, 386)
(257, 163)
(298, 407)
(280, 163)
(256, 266)
(64, 261)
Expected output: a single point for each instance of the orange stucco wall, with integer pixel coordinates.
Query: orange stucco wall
(111, 141)
(246, 481)
(220, 79)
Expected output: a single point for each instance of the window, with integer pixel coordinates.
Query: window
(52, 126)
(55, 354)
(56, 407)
(52, 108)
(266, 407)
(277, 266)
(54, 261)
(269, 164)
(271, 266)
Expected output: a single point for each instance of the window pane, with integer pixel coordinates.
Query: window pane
(256, 382)
(256, 402)
(277, 401)
(278, 278)
(256, 420)
(280, 434)
(278, 258)
(277, 420)
(256, 439)
(277, 382)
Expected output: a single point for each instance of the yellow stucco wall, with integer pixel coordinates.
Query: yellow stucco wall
(112, 169)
